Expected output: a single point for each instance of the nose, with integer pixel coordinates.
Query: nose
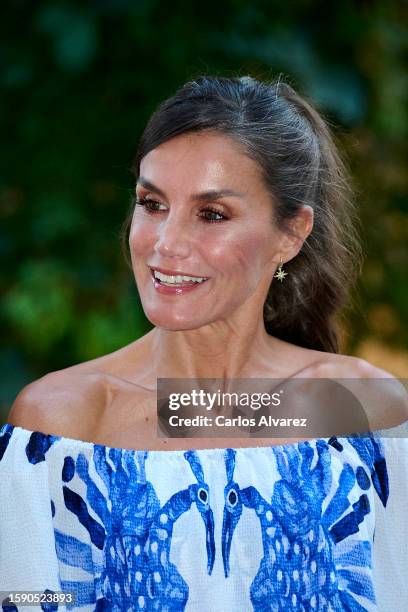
(172, 239)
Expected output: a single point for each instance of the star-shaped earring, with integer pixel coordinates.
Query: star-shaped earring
(280, 274)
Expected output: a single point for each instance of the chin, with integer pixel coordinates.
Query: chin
(164, 321)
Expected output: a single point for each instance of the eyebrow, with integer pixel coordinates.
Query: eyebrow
(211, 194)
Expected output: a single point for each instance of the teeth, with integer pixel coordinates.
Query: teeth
(177, 279)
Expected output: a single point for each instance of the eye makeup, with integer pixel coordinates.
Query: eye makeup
(151, 207)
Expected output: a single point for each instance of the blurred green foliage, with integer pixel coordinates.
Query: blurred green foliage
(78, 82)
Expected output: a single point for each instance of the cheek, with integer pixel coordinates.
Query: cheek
(249, 251)
(139, 239)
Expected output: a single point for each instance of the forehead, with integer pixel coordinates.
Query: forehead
(200, 159)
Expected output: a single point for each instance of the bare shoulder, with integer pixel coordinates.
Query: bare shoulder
(348, 366)
(383, 396)
(61, 402)
(73, 401)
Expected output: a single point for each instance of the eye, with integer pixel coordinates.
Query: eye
(203, 495)
(149, 204)
(213, 211)
(232, 497)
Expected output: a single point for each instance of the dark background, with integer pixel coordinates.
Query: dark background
(78, 82)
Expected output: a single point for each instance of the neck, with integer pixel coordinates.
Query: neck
(218, 350)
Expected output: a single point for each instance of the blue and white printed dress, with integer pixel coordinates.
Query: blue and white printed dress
(312, 525)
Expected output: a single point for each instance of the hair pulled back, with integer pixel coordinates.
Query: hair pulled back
(300, 164)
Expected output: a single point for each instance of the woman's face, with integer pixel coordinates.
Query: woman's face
(206, 214)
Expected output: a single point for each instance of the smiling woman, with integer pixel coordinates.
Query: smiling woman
(239, 185)
(210, 219)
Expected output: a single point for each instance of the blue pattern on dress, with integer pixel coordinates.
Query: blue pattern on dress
(38, 445)
(166, 589)
(134, 535)
(371, 452)
(314, 556)
(5, 435)
(304, 567)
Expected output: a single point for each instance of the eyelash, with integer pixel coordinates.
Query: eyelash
(145, 202)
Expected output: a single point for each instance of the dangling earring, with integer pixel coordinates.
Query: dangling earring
(280, 273)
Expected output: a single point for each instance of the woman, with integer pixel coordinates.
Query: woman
(244, 248)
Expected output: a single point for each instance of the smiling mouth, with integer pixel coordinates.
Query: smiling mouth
(170, 280)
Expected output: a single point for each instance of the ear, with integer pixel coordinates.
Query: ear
(299, 229)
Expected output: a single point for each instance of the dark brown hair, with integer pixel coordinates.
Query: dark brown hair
(300, 164)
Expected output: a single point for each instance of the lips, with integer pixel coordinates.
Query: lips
(176, 289)
(175, 272)
(184, 283)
